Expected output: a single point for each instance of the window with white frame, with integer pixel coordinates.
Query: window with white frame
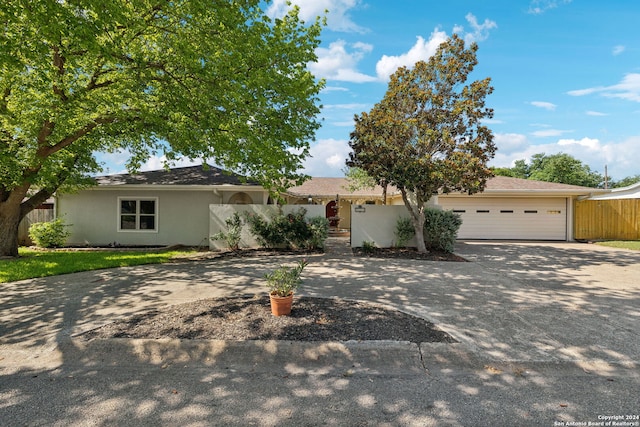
(137, 214)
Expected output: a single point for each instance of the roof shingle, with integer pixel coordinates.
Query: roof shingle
(191, 175)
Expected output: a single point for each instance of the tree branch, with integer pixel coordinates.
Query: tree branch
(58, 62)
(47, 150)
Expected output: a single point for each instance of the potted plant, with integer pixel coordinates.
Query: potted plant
(282, 282)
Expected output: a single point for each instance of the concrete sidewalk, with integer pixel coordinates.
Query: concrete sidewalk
(549, 333)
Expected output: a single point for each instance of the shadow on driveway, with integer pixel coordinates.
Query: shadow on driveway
(549, 332)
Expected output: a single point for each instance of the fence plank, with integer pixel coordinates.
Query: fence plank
(36, 215)
(616, 219)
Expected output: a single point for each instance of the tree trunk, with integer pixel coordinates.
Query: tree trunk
(384, 195)
(417, 219)
(9, 221)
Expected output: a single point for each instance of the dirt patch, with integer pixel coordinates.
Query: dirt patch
(250, 318)
(407, 253)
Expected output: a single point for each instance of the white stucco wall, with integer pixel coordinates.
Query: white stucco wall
(376, 224)
(218, 214)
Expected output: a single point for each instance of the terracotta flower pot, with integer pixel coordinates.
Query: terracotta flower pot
(281, 306)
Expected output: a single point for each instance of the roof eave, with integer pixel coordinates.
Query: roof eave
(531, 192)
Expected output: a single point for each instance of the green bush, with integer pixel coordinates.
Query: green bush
(368, 247)
(319, 226)
(290, 230)
(232, 235)
(441, 229)
(404, 231)
(52, 234)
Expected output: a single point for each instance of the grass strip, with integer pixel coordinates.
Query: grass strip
(623, 244)
(34, 263)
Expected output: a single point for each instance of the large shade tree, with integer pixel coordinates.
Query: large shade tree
(215, 80)
(561, 168)
(426, 135)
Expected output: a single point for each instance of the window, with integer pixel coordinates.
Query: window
(530, 211)
(506, 211)
(482, 211)
(459, 211)
(137, 214)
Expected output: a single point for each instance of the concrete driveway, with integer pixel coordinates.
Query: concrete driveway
(548, 333)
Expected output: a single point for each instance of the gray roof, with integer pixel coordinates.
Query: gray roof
(191, 175)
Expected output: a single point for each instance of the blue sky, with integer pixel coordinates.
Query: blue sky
(566, 73)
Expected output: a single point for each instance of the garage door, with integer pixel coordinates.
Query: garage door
(505, 218)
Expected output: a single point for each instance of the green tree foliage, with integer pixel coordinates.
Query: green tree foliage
(561, 168)
(210, 80)
(426, 135)
(359, 179)
(630, 180)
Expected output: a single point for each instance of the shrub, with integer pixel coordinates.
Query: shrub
(404, 231)
(290, 230)
(285, 280)
(234, 230)
(441, 229)
(319, 226)
(263, 231)
(52, 234)
(368, 247)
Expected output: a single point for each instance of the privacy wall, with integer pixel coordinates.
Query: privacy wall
(218, 214)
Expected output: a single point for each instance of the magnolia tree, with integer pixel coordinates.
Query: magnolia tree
(217, 81)
(426, 135)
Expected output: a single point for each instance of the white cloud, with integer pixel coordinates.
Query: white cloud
(424, 49)
(344, 124)
(157, 162)
(338, 63)
(327, 158)
(596, 114)
(354, 107)
(480, 31)
(338, 18)
(420, 51)
(546, 105)
(537, 7)
(588, 143)
(619, 156)
(545, 133)
(617, 50)
(327, 89)
(628, 88)
(508, 143)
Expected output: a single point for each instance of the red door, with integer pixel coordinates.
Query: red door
(331, 213)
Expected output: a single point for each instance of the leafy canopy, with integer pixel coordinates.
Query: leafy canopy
(561, 168)
(426, 135)
(215, 80)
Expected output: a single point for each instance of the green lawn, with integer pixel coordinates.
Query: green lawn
(33, 263)
(625, 244)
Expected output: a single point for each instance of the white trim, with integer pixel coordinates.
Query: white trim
(137, 199)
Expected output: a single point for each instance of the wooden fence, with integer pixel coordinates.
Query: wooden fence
(617, 219)
(41, 214)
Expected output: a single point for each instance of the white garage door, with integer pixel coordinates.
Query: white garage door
(506, 218)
